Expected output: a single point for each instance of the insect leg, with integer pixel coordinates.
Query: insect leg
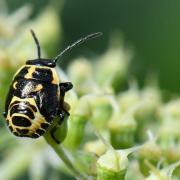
(53, 130)
(4, 114)
(61, 119)
(64, 87)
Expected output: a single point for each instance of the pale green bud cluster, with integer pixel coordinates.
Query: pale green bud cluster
(123, 117)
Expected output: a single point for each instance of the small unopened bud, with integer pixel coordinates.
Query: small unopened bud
(101, 109)
(170, 110)
(169, 133)
(161, 174)
(75, 132)
(113, 164)
(128, 98)
(80, 72)
(151, 152)
(77, 122)
(122, 128)
(150, 100)
(97, 147)
(112, 68)
(145, 111)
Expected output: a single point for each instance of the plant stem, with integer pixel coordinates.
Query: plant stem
(62, 155)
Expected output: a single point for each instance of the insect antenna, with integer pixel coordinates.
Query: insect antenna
(37, 44)
(76, 43)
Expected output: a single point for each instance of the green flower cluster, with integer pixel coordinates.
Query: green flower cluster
(125, 118)
(112, 133)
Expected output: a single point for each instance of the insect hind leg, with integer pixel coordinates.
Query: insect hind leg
(53, 130)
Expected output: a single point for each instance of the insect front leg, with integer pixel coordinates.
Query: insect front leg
(64, 87)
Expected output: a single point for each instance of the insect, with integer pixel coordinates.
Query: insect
(36, 95)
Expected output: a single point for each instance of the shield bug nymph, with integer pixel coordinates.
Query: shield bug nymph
(36, 95)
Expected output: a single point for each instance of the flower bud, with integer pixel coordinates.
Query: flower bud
(96, 147)
(122, 128)
(145, 111)
(171, 109)
(77, 123)
(169, 133)
(151, 152)
(161, 174)
(101, 109)
(150, 100)
(75, 132)
(169, 115)
(112, 68)
(80, 72)
(86, 162)
(128, 98)
(113, 164)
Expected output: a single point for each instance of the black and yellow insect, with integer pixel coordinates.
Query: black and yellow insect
(36, 95)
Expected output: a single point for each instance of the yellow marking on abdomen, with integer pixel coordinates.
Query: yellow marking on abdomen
(36, 122)
(14, 85)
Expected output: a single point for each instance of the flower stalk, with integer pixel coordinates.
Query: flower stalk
(63, 156)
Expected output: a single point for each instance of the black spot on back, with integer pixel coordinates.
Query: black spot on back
(24, 103)
(35, 135)
(22, 73)
(15, 133)
(24, 135)
(44, 125)
(11, 129)
(40, 131)
(22, 131)
(43, 74)
(21, 121)
(15, 102)
(22, 110)
(30, 105)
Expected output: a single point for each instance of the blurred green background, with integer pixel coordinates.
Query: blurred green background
(151, 28)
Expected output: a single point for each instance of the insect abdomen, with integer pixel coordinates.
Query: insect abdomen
(24, 118)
